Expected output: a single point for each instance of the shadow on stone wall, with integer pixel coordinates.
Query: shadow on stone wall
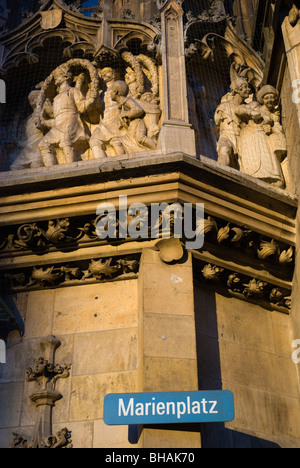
(215, 435)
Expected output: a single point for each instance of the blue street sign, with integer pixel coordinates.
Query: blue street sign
(168, 408)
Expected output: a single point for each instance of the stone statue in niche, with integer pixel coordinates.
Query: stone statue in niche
(251, 136)
(67, 130)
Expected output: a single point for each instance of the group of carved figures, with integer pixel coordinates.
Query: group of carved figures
(82, 121)
(251, 135)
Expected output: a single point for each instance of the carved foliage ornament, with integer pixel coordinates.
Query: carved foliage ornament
(95, 270)
(243, 287)
(67, 234)
(249, 242)
(46, 373)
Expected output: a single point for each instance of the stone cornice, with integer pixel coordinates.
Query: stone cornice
(77, 189)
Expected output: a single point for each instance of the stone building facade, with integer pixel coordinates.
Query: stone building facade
(113, 105)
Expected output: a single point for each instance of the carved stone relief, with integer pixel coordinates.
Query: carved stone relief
(84, 122)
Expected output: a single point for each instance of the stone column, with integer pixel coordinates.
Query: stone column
(167, 340)
(177, 133)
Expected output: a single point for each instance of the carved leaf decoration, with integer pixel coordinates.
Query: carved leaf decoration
(210, 225)
(41, 276)
(239, 234)
(128, 266)
(212, 272)
(100, 269)
(276, 295)
(234, 282)
(207, 226)
(254, 288)
(26, 231)
(267, 249)
(286, 256)
(288, 302)
(223, 233)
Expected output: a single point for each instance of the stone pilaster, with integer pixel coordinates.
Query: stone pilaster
(167, 339)
(177, 133)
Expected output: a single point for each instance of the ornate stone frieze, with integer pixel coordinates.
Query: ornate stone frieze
(92, 36)
(251, 244)
(73, 273)
(46, 373)
(243, 287)
(69, 234)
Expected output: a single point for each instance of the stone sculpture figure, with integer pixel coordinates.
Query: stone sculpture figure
(67, 130)
(110, 128)
(262, 143)
(131, 115)
(228, 119)
(30, 156)
(268, 97)
(74, 119)
(251, 136)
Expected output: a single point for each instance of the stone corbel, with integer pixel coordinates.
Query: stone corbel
(170, 250)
